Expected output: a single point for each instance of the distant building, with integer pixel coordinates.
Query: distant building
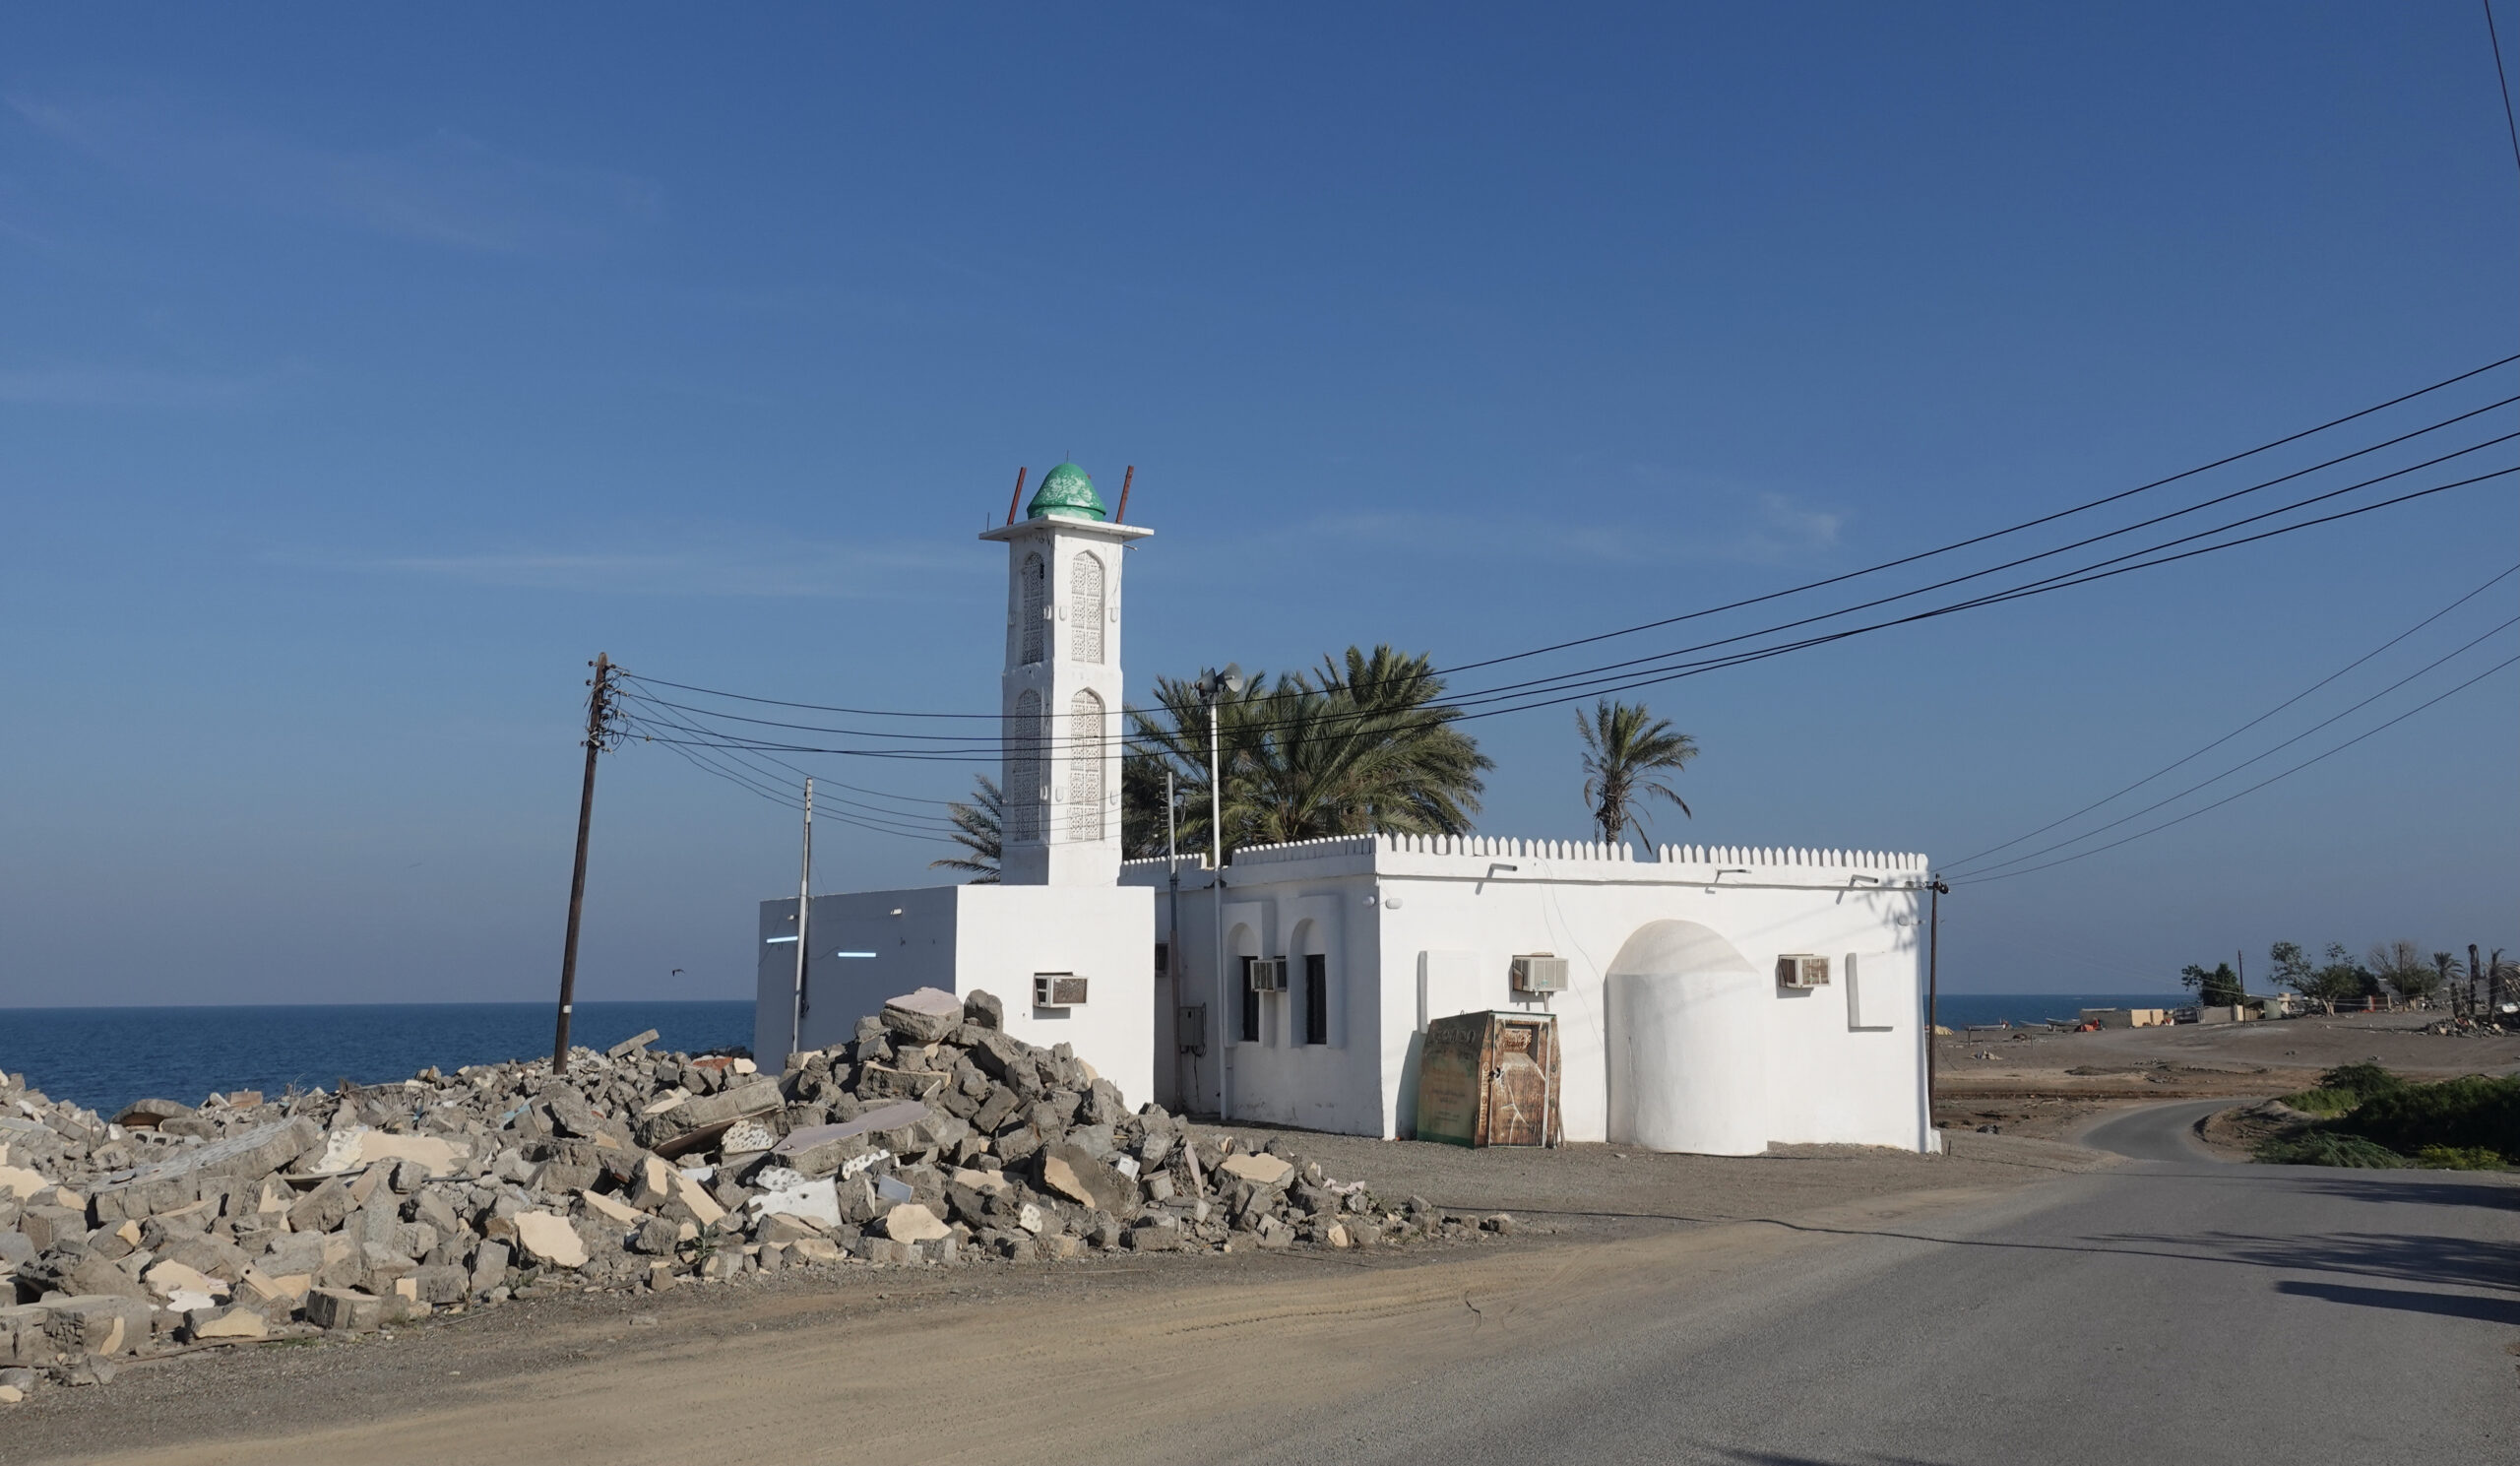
(1714, 1000)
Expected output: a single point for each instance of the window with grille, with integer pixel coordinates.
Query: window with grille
(1024, 793)
(1035, 597)
(1251, 1007)
(1085, 768)
(1085, 609)
(1316, 998)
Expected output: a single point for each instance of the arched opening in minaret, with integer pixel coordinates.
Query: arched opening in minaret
(1085, 614)
(1036, 578)
(1023, 799)
(1085, 768)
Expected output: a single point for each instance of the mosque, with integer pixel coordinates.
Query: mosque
(1714, 1000)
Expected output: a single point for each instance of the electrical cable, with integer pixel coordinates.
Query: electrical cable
(1773, 594)
(2253, 758)
(2498, 578)
(2502, 79)
(2254, 787)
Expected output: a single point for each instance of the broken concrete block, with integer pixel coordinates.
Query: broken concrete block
(694, 1194)
(148, 1115)
(983, 1010)
(438, 1156)
(876, 1082)
(23, 1341)
(1074, 1173)
(247, 1156)
(19, 1181)
(1257, 1167)
(322, 1209)
(167, 1277)
(48, 1226)
(814, 1249)
(814, 1200)
(279, 1294)
(490, 1266)
(923, 1016)
(548, 1238)
(704, 1118)
(103, 1276)
(612, 1208)
(631, 1045)
(225, 1322)
(820, 1150)
(90, 1323)
(910, 1222)
(342, 1309)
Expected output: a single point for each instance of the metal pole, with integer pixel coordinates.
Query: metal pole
(804, 903)
(598, 709)
(1215, 885)
(1933, 989)
(1172, 925)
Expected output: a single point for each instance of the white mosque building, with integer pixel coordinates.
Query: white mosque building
(1712, 999)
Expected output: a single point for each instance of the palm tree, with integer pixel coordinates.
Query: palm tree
(980, 829)
(1626, 750)
(1362, 743)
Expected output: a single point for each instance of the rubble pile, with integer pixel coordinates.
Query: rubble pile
(932, 1137)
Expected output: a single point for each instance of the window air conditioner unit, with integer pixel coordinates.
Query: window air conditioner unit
(1268, 973)
(1057, 989)
(1800, 970)
(1540, 973)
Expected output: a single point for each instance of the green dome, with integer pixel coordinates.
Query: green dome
(1065, 494)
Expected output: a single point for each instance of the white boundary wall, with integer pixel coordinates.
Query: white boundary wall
(1419, 928)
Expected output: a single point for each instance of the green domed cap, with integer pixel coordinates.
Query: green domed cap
(1065, 494)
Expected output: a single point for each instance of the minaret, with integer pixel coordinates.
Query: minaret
(1060, 695)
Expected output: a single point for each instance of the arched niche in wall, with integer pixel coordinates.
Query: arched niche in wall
(1685, 1024)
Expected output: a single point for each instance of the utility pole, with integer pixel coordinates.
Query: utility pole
(1172, 929)
(804, 900)
(1212, 686)
(1934, 985)
(599, 724)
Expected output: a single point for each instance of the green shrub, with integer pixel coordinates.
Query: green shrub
(2458, 1158)
(2324, 1100)
(2474, 1112)
(2362, 1081)
(2321, 1148)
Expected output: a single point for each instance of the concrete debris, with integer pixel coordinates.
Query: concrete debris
(933, 1139)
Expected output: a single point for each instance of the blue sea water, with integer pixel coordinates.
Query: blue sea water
(107, 1057)
(1958, 1010)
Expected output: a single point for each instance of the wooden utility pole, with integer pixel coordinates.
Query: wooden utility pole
(598, 722)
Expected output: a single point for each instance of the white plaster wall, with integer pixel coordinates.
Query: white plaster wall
(1836, 1070)
(967, 939)
(1105, 934)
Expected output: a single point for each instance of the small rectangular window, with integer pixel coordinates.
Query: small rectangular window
(1251, 1007)
(1162, 959)
(1316, 998)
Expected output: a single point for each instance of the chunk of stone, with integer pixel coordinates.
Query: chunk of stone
(815, 1249)
(923, 1016)
(149, 1114)
(1258, 1167)
(548, 1237)
(19, 1181)
(246, 1156)
(167, 1277)
(704, 1118)
(820, 1150)
(814, 1200)
(631, 1045)
(910, 1222)
(612, 1208)
(92, 1323)
(440, 1285)
(225, 1322)
(983, 1010)
(490, 1266)
(876, 1082)
(1073, 1171)
(342, 1309)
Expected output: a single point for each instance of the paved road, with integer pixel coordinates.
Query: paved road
(2177, 1308)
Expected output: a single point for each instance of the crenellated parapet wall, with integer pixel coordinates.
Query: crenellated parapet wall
(1476, 857)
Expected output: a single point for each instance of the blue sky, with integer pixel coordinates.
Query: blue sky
(364, 374)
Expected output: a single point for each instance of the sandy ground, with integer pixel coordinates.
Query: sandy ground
(1129, 1358)
(2034, 1083)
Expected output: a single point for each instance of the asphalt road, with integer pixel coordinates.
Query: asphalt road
(2177, 1308)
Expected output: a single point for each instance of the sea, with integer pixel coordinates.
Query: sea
(107, 1057)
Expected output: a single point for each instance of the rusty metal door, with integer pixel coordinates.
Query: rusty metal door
(1518, 1087)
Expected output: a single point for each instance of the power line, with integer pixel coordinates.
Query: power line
(2254, 787)
(1631, 676)
(1890, 564)
(2253, 758)
(2497, 577)
(2502, 79)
